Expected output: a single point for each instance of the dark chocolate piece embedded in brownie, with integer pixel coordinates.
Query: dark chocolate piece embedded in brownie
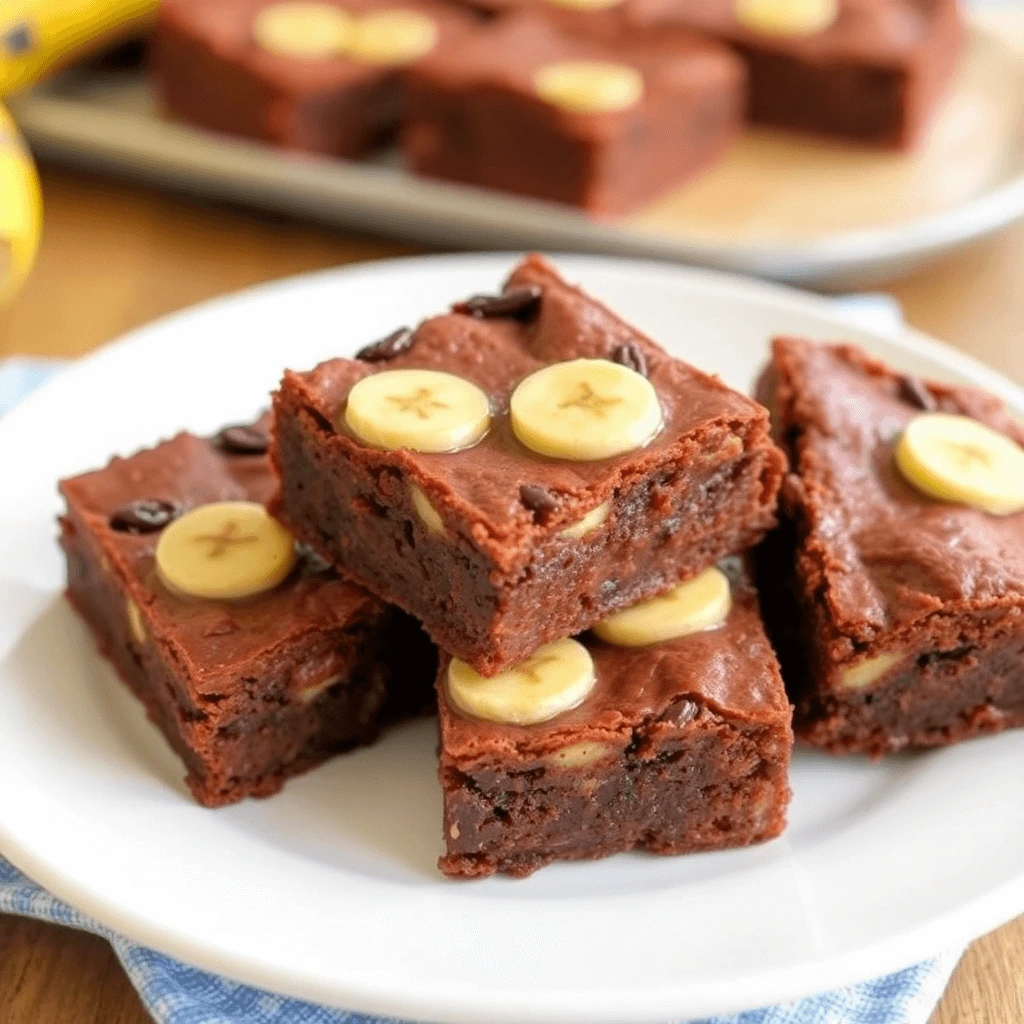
(323, 77)
(679, 747)
(528, 107)
(496, 548)
(248, 692)
(899, 617)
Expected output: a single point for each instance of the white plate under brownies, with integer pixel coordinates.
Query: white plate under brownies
(330, 890)
(777, 206)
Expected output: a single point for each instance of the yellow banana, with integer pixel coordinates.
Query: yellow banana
(37, 36)
(21, 209)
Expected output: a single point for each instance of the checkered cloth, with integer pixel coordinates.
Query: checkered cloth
(175, 993)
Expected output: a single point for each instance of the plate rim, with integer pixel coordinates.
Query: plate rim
(758, 987)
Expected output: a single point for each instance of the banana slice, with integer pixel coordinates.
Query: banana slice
(591, 521)
(309, 31)
(786, 17)
(555, 678)
(692, 607)
(589, 86)
(225, 550)
(422, 410)
(957, 459)
(392, 37)
(584, 410)
(429, 515)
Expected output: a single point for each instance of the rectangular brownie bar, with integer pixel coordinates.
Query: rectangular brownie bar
(496, 548)
(679, 747)
(323, 78)
(899, 618)
(529, 107)
(248, 692)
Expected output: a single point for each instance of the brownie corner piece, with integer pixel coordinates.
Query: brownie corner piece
(493, 546)
(666, 754)
(898, 616)
(247, 691)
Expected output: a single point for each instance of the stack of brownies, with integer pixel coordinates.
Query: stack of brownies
(569, 512)
(602, 104)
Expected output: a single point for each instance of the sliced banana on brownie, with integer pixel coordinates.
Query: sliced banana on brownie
(307, 31)
(555, 678)
(699, 604)
(786, 17)
(225, 550)
(957, 459)
(420, 410)
(584, 410)
(392, 37)
(589, 86)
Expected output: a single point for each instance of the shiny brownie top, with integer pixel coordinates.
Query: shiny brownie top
(122, 509)
(881, 554)
(643, 692)
(494, 489)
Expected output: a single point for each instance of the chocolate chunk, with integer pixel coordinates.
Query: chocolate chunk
(915, 392)
(147, 515)
(682, 711)
(521, 303)
(242, 439)
(393, 345)
(538, 500)
(315, 563)
(631, 356)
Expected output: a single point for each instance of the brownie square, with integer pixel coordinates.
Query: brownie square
(680, 747)
(504, 559)
(899, 618)
(211, 69)
(247, 692)
(874, 76)
(476, 112)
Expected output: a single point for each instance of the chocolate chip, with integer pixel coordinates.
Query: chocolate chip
(683, 711)
(243, 439)
(147, 515)
(915, 392)
(631, 356)
(521, 303)
(538, 500)
(393, 345)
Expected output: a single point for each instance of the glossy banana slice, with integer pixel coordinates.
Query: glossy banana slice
(958, 459)
(555, 678)
(422, 410)
(692, 607)
(392, 37)
(786, 17)
(310, 31)
(589, 86)
(225, 550)
(584, 410)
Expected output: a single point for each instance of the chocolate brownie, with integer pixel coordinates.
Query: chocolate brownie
(495, 547)
(678, 747)
(899, 617)
(528, 107)
(248, 691)
(324, 77)
(874, 75)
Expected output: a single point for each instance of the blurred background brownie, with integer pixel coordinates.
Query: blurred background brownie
(251, 688)
(325, 77)
(898, 613)
(679, 745)
(594, 469)
(534, 108)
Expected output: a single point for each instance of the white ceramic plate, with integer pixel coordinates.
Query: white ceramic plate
(330, 890)
(777, 206)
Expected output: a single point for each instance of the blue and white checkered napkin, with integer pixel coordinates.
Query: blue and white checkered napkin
(175, 993)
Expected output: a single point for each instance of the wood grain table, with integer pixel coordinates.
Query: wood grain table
(115, 256)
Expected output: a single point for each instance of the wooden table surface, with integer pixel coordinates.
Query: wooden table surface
(117, 255)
